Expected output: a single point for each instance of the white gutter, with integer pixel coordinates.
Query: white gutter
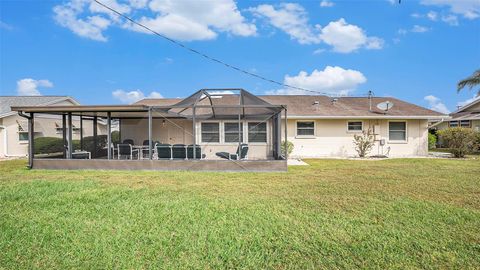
(5, 140)
(440, 117)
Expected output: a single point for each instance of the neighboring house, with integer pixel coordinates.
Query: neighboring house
(14, 128)
(467, 116)
(320, 126)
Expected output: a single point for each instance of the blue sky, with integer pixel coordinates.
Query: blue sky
(416, 51)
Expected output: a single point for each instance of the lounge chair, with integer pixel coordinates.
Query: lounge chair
(242, 153)
(164, 151)
(198, 151)
(179, 151)
(144, 151)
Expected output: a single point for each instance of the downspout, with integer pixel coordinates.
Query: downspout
(5, 140)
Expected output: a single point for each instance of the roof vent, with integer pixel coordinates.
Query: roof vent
(334, 100)
(316, 102)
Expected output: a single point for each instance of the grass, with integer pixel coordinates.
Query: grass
(395, 214)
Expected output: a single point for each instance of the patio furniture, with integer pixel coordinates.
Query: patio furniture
(242, 153)
(81, 155)
(198, 152)
(164, 151)
(179, 151)
(128, 141)
(125, 151)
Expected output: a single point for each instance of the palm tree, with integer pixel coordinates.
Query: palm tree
(472, 81)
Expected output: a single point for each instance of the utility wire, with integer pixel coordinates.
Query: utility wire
(207, 56)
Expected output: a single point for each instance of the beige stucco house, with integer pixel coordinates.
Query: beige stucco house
(14, 128)
(232, 129)
(318, 126)
(467, 116)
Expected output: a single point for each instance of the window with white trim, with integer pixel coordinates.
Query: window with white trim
(453, 124)
(397, 131)
(23, 136)
(305, 128)
(257, 132)
(210, 132)
(231, 132)
(465, 123)
(355, 126)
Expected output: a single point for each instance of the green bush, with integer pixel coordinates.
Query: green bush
(49, 145)
(461, 141)
(287, 145)
(432, 141)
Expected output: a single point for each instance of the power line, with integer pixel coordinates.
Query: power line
(213, 59)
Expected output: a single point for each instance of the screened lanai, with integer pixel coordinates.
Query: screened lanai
(213, 129)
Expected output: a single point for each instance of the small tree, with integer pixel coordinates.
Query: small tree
(432, 141)
(288, 145)
(460, 140)
(363, 143)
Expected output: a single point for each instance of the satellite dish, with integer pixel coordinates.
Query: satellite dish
(385, 106)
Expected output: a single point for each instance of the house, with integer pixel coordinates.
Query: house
(232, 129)
(467, 116)
(14, 128)
(321, 126)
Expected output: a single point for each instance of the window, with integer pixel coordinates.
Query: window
(210, 132)
(465, 123)
(231, 132)
(257, 132)
(355, 125)
(305, 128)
(23, 135)
(453, 124)
(397, 131)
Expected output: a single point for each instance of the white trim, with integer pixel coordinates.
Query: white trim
(355, 131)
(306, 136)
(475, 101)
(406, 132)
(424, 117)
(45, 104)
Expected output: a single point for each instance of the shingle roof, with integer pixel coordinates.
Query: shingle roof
(305, 105)
(6, 102)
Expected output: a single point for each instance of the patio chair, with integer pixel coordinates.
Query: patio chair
(125, 151)
(144, 151)
(198, 152)
(179, 151)
(164, 151)
(242, 153)
(128, 141)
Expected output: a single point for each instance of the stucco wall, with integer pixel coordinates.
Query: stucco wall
(333, 140)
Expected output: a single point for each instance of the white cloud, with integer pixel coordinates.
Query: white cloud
(469, 9)
(326, 3)
(290, 18)
(182, 20)
(419, 29)
(319, 51)
(450, 19)
(432, 15)
(91, 27)
(293, 20)
(467, 101)
(436, 104)
(331, 80)
(133, 96)
(29, 87)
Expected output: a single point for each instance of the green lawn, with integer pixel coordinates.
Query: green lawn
(401, 213)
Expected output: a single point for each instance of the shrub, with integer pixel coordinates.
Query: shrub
(49, 145)
(363, 143)
(460, 140)
(287, 145)
(432, 141)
